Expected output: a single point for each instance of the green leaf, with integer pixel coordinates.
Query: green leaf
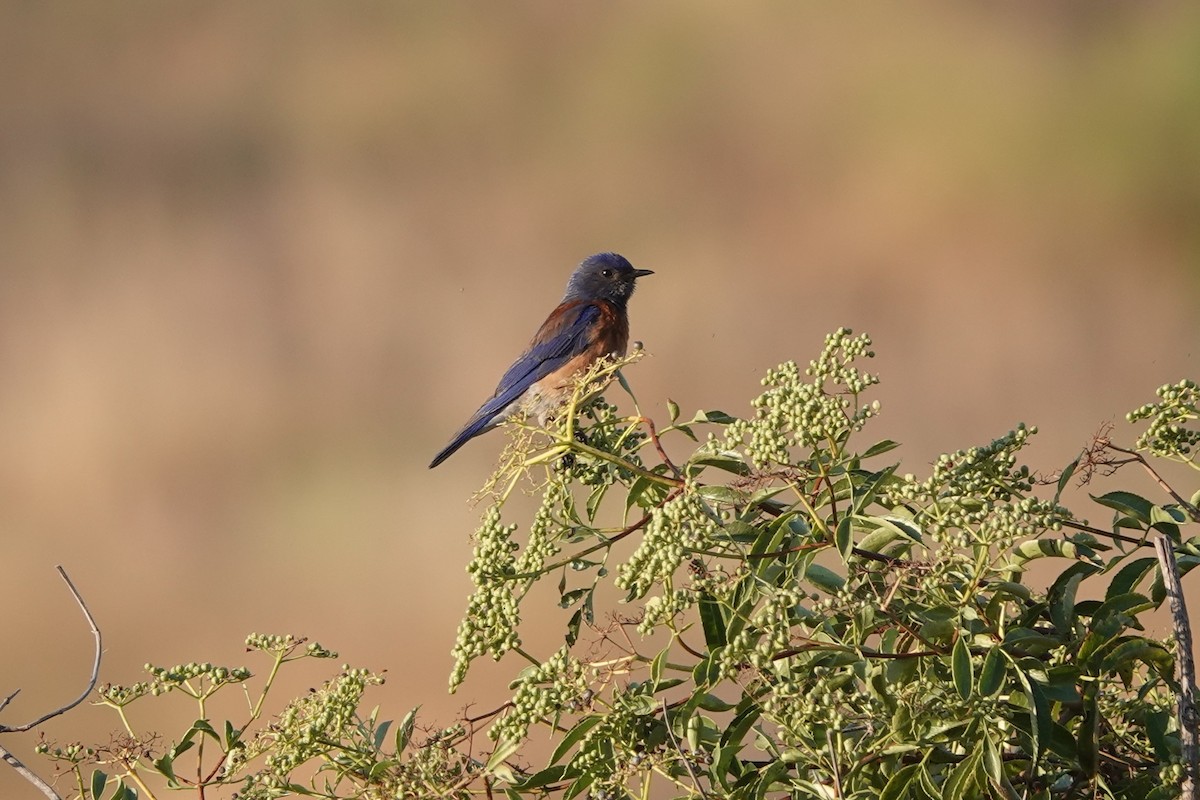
(233, 736)
(717, 417)
(1127, 503)
(962, 669)
(1065, 477)
(722, 494)
(672, 410)
(1139, 649)
(897, 785)
(710, 702)
(553, 774)
(1062, 603)
(731, 740)
(572, 597)
(1130, 575)
(843, 537)
(642, 705)
(708, 672)
(1088, 738)
(879, 448)
(201, 726)
(865, 492)
(1041, 721)
(991, 678)
(579, 786)
(573, 624)
(1055, 548)
(967, 778)
(656, 668)
(825, 579)
(165, 766)
(99, 781)
(729, 463)
(595, 498)
(405, 731)
(712, 619)
(574, 737)
(504, 749)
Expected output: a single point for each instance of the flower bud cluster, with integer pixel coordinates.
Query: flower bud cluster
(545, 690)
(308, 728)
(120, 696)
(676, 529)
(493, 615)
(980, 496)
(623, 744)
(605, 430)
(661, 609)
(794, 412)
(168, 679)
(73, 753)
(545, 530)
(283, 645)
(1169, 435)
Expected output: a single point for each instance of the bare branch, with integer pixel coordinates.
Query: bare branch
(29, 775)
(1191, 510)
(1189, 721)
(95, 665)
(9, 699)
(14, 762)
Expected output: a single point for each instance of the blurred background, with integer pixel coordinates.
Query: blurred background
(260, 260)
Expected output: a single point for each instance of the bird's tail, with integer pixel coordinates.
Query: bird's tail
(484, 420)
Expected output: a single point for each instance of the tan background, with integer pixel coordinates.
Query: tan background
(259, 261)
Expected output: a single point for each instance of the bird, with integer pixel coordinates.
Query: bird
(591, 322)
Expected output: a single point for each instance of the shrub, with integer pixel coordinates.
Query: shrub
(799, 619)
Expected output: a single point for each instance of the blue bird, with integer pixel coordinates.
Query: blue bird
(591, 322)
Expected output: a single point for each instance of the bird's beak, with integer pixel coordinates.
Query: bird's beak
(641, 273)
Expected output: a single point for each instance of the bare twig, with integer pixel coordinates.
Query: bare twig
(1191, 510)
(8, 757)
(1189, 722)
(687, 764)
(29, 775)
(1076, 526)
(95, 665)
(658, 446)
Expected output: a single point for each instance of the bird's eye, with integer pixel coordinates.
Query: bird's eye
(608, 273)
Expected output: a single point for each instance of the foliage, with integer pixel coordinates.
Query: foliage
(799, 619)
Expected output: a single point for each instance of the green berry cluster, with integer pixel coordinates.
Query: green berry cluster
(608, 431)
(629, 739)
(73, 753)
(309, 727)
(980, 496)
(545, 530)
(167, 679)
(283, 646)
(493, 614)
(795, 412)
(676, 529)
(544, 691)
(118, 696)
(663, 609)
(1169, 434)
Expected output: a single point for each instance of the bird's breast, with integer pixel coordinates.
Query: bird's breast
(609, 337)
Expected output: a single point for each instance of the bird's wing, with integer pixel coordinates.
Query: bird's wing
(564, 335)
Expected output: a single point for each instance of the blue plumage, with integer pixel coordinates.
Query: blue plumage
(589, 323)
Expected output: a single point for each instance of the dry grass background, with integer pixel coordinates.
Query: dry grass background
(260, 260)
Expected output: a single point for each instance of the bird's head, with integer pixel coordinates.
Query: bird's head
(604, 276)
